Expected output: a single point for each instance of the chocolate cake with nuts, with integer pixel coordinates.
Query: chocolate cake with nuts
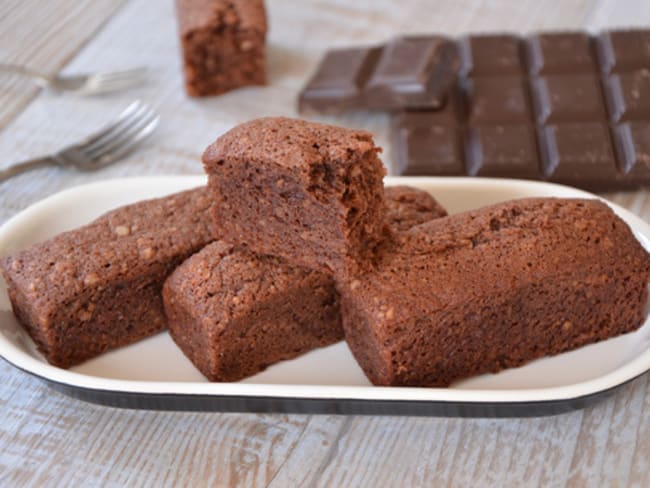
(233, 313)
(223, 44)
(307, 192)
(494, 288)
(98, 287)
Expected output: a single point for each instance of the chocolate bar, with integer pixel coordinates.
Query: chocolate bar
(408, 72)
(563, 107)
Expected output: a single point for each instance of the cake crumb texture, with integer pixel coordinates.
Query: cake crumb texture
(494, 288)
(307, 192)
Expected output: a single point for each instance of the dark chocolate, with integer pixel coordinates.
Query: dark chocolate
(491, 55)
(497, 99)
(565, 107)
(624, 50)
(557, 53)
(337, 84)
(408, 72)
(559, 106)
(578, 154)
(502, 150)
(423, 141)
(565, 98)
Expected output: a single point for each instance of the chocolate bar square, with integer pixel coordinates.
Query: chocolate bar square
(405, 72)
(410, 73)
(339, 79)
(628, 95)
(624, 50)
(497, 99)
(502, 150)
(491, 55)
(578, 153)
(422, 146)
(561, 52)
(567, 98)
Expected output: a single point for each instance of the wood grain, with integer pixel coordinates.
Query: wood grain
(43, 36)
(47, 439)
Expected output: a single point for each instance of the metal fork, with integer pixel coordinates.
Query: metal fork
(86, 84)
(110, 144)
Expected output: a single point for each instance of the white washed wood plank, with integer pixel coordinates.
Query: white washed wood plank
(641, 457)
(589, 452)
(473, 461)
(50, 440)
(43, 36)
(620, 14)
(302, 466)
(377, 451)
(623, 435)
(501, 457)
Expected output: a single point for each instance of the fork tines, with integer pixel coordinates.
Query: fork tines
(116, 140)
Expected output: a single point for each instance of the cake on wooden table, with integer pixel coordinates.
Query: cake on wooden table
(223, 44)
(233, 313)
(494, 288)
(98, 287)
(307, 192)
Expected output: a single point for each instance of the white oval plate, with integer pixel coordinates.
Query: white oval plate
(153, 373)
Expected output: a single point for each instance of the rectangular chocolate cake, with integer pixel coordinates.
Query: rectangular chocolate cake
(233, 313)
(98, 287)
(223, 44)
(494, 288)
(309, 193)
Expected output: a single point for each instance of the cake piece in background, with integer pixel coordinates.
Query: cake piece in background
(98, 287)
(307, 192)
(233, 313)
(222, 43)
(407, 207)
(494, 288)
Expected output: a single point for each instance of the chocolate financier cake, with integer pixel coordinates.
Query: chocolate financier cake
(223, 43)
(306, 192)
(494, 288)
(98, 287)
(233, 313)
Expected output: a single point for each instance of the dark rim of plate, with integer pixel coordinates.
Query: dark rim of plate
(329, 406)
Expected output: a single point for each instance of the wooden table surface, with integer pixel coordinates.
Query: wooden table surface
(47, 439)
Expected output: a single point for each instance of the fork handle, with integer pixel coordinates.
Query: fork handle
(38, 78)
(25, 166)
